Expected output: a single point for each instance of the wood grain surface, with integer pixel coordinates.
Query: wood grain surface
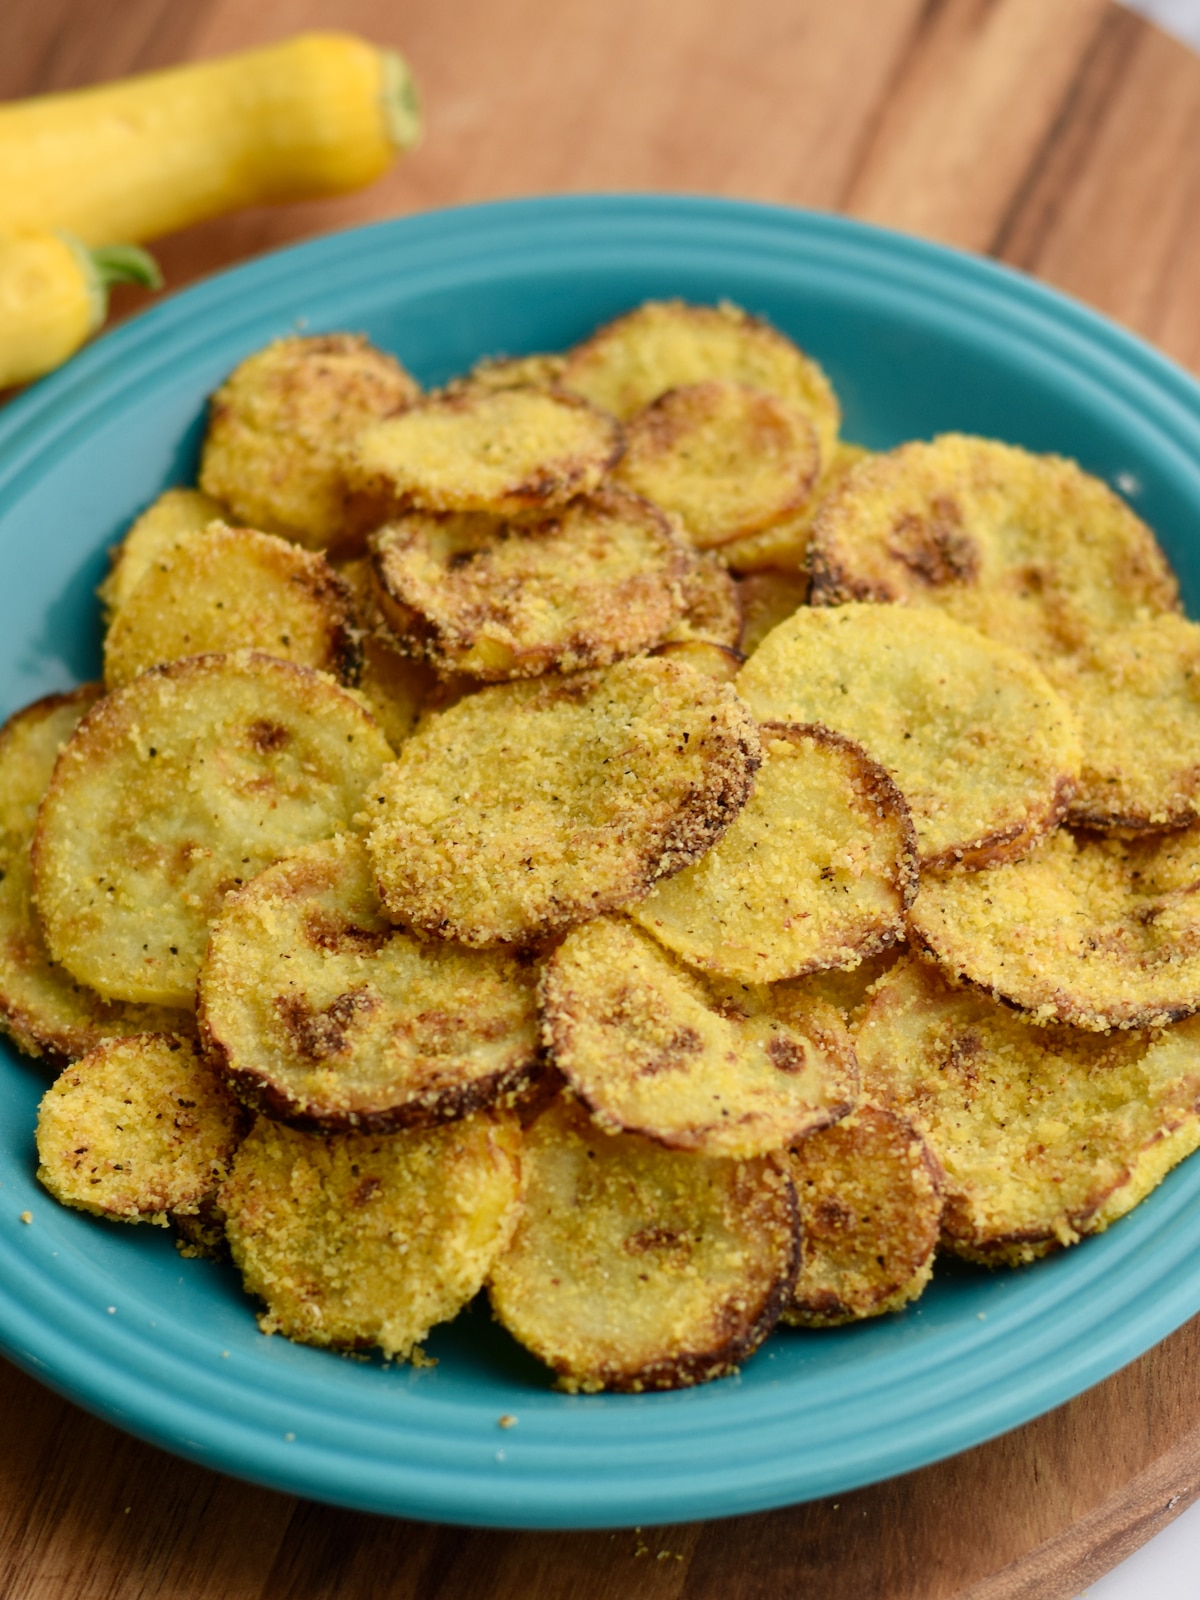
(1062, 136)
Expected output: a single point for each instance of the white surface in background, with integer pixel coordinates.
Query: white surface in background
(1168, 1568)
(1182, 18)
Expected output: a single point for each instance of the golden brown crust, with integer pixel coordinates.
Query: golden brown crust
(816, 871)
(281, 426)
(231, 589)
(1044, 1133)
(726, 459)
(984, 751)
(712, 607)
(395, 687)
(637, 1268)
(715, 661)
(652, 1049)
(1022, 547)
(768, 597)
(498, 599)
(528, 807)
(136, 1130)
(321, 1013)
(1097, 932)
(175, 789)
(175, 514)
(504, 451)
(869, 1190)
(538, 371)
(785, 544)
(665, 344)
(46, 1011)
(314, 1223)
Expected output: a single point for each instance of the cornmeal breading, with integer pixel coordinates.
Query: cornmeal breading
(136, 1130)
(497, 599)
(726, 459)
(786, 542)
(638, 1268)
(870, 1195)
(321, 1013)
(356, 1239)
(665, 344)
(816, 871)
(651, 1048)
(232, 588)
(176, 513)
(503, 451)
(1023, 547)
(528, 807)
(984, 751)
(394, 685)
(712, 607)
(1044, 1133)
(1098, 932)
(280, 428)
(715, 661)
(177, 788)
(539, 371)
(45, 1010)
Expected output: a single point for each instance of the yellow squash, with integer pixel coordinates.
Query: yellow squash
(54, 295)
(315, 115)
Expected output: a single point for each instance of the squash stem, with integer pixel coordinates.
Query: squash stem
(125, 263)
(400, 100)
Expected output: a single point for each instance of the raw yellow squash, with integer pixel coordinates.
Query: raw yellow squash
(315, 115)
(54, 295)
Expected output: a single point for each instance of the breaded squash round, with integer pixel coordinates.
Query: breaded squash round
(529, 807)
(768, 597)
(280, 428)
(1044, 1134)
(1098, 932)
(137, 1130)
(177, 788)
(869, 1190)
(1136, 693)
(507, 451)
(637, 1268)
(985, 752)
(726, 459)
(45, 1010)
(232, 588)
(320, 1012)
(785, 543)
(816, 871)
(175, 514)
(712, 608)
(497, 599)
(359, 1239)
(394, 685)
(538, 371)
(665, 344)
(650, 1048)
(1026, 548)
(715, 661)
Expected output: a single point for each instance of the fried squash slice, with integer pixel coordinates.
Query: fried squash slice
(666, 344)
(507, 451)
(786, 542)
(816, 871)
(768, 597)
(528, 807)
(46, 1011)
(869, 1190)
(1100, 932)
(138, 1130)
(1044, 1134)
(637, 1268)
(355, 1239)
(1136, 693)
(175, 514)
(177, 788)
(726, 459)
(1026, 548)
(282, 425)
(228, 589)
(712, 606)
(394, 685)
(984, 751)
(320, 1012)
(497, 599)
(651, 1048)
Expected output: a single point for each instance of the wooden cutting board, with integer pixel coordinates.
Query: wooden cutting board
(1063, 138)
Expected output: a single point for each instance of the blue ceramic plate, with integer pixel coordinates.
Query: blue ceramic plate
(917, 339)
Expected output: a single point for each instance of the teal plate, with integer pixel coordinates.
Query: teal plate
(917, 339)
